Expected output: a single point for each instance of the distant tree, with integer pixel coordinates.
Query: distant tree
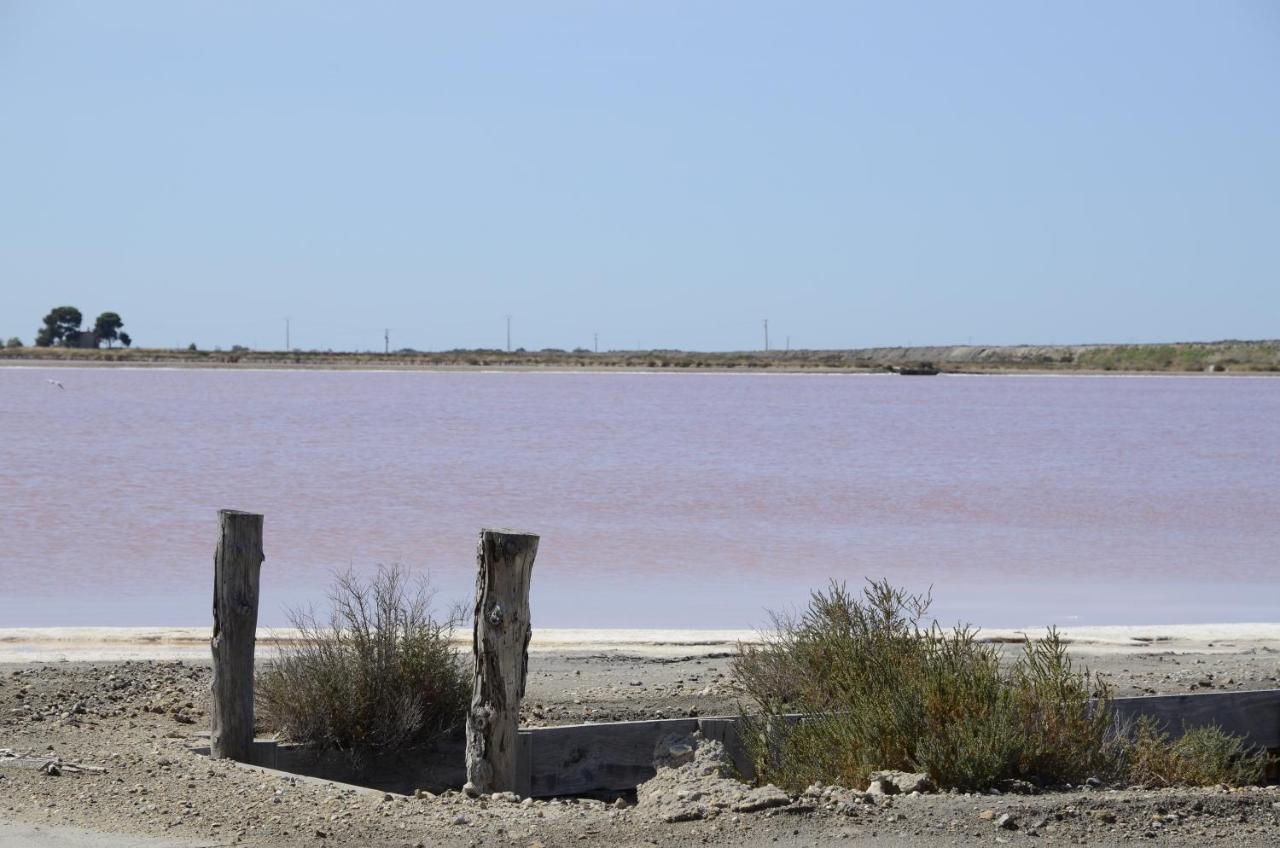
(14, 342)
(192, 347)
(125, 340)
(60, 325)
(107, 327)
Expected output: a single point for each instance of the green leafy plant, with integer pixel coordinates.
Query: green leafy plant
(885, 691)
(859, 683)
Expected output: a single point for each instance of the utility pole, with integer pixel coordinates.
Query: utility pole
(788, 344)
(595, 344)
(766, 335)
(386, 341)
(287, 346)
(508, 334)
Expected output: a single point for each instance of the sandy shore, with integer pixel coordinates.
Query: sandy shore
(62, 696)
(105, 644)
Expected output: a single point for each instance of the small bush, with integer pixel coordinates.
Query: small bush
(889, 693)
(1202, 756)
(379, 674)
(881, 691)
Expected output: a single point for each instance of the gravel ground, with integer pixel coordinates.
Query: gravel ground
(137, 721)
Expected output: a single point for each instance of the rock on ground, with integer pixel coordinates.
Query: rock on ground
(701, 785)
(895, 782)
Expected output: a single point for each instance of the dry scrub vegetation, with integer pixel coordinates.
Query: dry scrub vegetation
(888, 692)
(379, 674)
(1182, 357)
(1202, 756)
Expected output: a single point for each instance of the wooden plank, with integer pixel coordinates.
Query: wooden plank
(726, 731)
(617, 756)
(236, 566)
(524, 765)
(500, 642)
(584, 758)
(435, 767)
(1253, 715)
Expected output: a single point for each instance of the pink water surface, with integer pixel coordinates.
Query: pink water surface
(694, 500)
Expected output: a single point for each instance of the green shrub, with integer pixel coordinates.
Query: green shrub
(379, 674)
(881, 691)
(887, 692)
(1202, 756)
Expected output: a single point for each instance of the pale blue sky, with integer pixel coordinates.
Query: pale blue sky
(664, 174)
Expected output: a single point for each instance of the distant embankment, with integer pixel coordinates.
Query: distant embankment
(1261, 356)
(1178, 357)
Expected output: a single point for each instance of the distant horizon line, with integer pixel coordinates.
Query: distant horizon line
(583, 351)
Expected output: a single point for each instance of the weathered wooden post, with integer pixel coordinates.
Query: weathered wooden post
(500, 642)
(236, 565)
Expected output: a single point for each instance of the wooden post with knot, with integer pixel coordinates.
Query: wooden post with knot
(500, 642)
(236, 566)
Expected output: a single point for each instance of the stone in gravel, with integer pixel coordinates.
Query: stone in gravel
(1007, 822)
(1019, 787)
(800, 807)
(674, 750)
(762, 798)
(895, 782)
(881, 787)
(685, 813)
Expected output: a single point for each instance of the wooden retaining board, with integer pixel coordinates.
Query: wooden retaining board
(617, 756)
(609, 757)
(1253, 715)
(582, 758)
(436, 768)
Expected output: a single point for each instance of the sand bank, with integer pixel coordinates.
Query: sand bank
(108, 644)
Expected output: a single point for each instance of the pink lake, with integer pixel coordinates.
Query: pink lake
(663, 500)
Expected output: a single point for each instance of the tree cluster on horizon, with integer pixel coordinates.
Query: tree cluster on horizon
(62, 327)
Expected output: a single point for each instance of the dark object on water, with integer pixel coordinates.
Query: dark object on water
(923, 369)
